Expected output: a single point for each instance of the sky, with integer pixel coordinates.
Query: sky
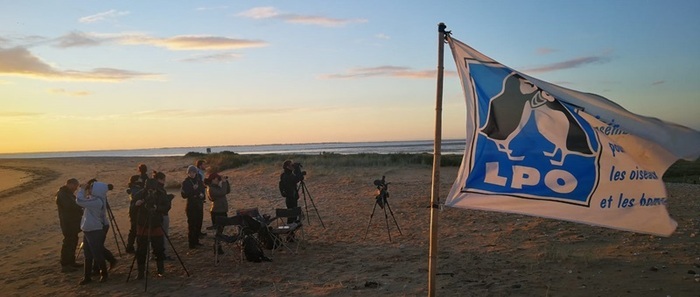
(105, 75)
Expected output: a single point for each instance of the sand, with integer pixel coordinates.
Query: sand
(480, 253)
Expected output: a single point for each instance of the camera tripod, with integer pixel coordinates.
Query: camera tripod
(148, 252)
(382, 201)
(304, 192)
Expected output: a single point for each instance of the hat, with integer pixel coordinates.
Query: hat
(211, 177)
(191, 168)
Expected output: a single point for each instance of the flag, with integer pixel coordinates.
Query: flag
(539, 149)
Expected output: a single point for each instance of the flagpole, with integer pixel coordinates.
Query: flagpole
(435, 194)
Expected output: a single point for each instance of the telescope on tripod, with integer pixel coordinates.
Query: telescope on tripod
(382, 200)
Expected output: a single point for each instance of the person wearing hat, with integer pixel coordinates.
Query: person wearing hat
(192, 189)
(217, 188)
(151, 205)
(288, 187)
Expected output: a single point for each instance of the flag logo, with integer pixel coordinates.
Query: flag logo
(530, 144)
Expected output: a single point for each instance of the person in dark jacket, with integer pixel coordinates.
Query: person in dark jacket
(288, 186)
(69, 216)
(151, 204)
(134, 189)
(193, 190)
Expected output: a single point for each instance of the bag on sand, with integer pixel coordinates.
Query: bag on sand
(252, 250)
(267, 238)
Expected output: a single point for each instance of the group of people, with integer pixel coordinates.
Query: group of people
(84, 207)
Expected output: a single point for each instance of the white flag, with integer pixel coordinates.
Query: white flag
(540, 149)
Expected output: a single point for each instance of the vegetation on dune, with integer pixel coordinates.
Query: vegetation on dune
(680, 172)
(683, 172)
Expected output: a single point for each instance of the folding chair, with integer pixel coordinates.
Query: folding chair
(234, 237)
(252, 212)
(285, 233)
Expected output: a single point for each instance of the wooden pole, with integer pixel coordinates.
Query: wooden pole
(435, 194)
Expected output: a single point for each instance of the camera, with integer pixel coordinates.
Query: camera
(297, 170)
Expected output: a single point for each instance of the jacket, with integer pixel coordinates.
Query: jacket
(69, 212)
(94, 207)
(217, 194)
(193, 190)
(156, 205)
(288, 184)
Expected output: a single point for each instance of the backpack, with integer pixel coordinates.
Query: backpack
(252, 251)
(267, 238)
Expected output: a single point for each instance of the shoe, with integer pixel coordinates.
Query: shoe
(104, 278)
(130, 249)
(85, 281)
(140, 276)
(193, 246)
(68, 268)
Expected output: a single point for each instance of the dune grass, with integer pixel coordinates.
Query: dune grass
(680, 172)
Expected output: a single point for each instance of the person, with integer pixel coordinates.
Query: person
(201, 168)
(69, 216)
(134, 188)
(151, 204)
(288, 186)
(201, 171)
(192, 189)
(217, 188)
(160, 178)
(93, 198)
(143, 174)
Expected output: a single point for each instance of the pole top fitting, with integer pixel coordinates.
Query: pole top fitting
(442, 27)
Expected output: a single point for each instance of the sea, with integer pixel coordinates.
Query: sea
(452, 146)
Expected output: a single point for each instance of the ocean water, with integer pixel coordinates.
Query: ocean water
(383, 147)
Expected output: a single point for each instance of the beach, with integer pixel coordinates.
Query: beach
(479, 253)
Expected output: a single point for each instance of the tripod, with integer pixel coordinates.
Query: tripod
(304, 192)
(148, 246)
(382, 201)
(115, 229)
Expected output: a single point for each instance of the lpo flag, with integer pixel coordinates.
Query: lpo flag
(540, 149)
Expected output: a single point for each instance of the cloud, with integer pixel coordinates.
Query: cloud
(382, 36)
(658, 82)
(386, 71)
(18, 114)
(78, 39)
(545, 51)
(568, 64)
(182, 42)
(268, 12)
(69, 93)
(199, 113)
(219, 57)
(223, 7)
(103, 16)
(192, 42)
(19, 61)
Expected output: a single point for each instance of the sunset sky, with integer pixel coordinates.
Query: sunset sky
(100, 75)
